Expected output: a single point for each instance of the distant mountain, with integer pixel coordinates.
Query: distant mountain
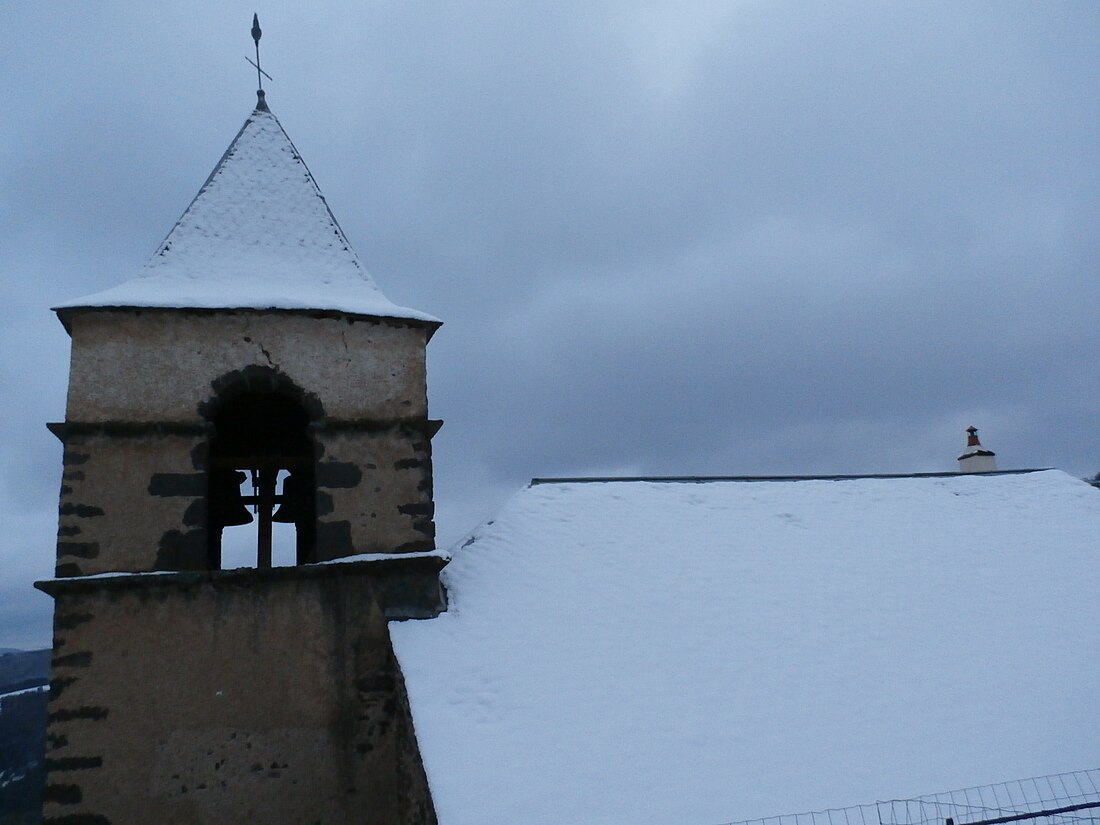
(23, 734)
(23, 669)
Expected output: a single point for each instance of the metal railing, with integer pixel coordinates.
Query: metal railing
(1058, 799)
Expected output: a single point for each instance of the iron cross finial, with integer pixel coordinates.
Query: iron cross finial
(260, 73)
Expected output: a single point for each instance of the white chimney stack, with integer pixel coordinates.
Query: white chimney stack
(975, 458)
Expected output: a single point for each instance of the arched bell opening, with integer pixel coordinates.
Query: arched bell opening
(261, 472)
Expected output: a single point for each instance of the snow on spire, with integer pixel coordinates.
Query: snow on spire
(258, 235)
(975, 458)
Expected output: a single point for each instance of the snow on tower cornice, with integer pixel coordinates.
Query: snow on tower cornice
(258, 235)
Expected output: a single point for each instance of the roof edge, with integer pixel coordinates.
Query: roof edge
(65, 314)
(705, 479)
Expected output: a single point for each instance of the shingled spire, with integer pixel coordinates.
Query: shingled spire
(258, 235)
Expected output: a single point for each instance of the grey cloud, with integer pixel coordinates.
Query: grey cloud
(687, 238)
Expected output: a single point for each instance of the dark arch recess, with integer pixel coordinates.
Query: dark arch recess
(257, 379)
(261, 424)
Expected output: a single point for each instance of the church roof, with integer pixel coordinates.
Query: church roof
(697, 652)
(258, 235)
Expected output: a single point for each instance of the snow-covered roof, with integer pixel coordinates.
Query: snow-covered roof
(676, 653)
(258, 235)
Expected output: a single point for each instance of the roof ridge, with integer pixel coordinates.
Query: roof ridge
(828, 477)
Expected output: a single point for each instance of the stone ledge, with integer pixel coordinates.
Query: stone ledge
(406, 587)
(63, 430)
(67, 314)
(428, 425)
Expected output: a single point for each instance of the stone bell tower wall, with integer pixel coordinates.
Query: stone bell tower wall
(140, 479)
(161, 365)
(374, 482)
(237, 696)
(142, 388)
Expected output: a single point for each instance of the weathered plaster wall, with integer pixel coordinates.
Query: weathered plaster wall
(142, 387)
(136, 501)
(229, 699)
(158, 365)
(131, 501)
(374, 490)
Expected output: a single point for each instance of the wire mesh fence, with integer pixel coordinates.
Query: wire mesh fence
(1058, 799)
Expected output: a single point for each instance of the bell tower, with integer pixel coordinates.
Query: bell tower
(253, 373)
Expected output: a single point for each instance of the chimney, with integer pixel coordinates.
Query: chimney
(975, 458)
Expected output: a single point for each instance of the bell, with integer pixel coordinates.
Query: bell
(225, 506)
(297, 501)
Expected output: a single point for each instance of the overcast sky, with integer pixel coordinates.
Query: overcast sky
(666, 238)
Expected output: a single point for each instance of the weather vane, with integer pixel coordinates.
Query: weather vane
(260, 73)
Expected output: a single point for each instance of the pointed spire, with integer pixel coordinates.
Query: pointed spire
(258, 235)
